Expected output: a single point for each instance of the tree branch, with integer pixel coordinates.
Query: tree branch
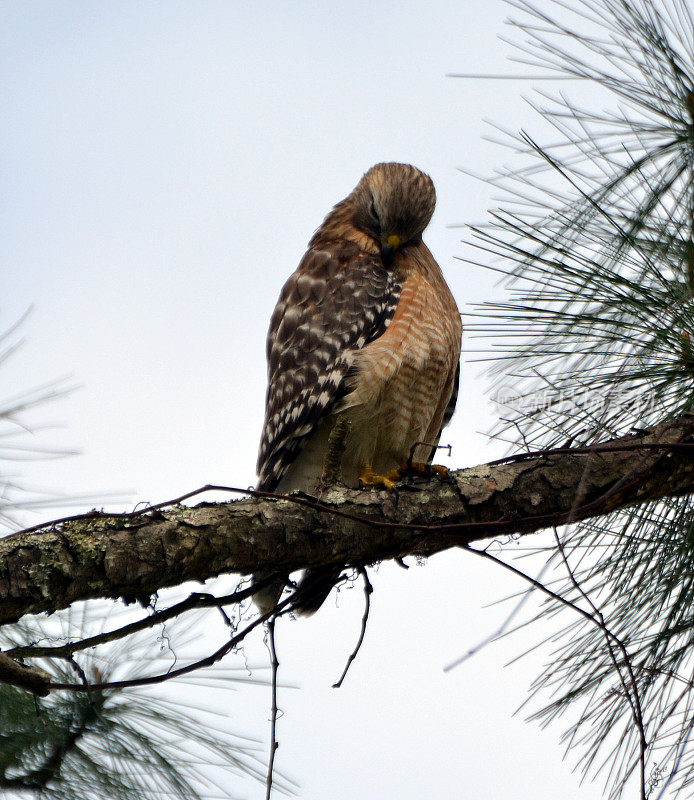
(131, 556)
(34, 679)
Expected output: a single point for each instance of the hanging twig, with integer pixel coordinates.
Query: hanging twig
(368, 591)
(274, 744)
(630, 687)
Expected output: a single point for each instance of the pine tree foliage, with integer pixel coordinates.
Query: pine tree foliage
(15, 447)
(122, 745)
(594, 235)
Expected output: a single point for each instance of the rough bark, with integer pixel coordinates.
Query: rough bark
(14, 673)
(132, 557)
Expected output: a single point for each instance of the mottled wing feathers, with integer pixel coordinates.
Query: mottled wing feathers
(339, 299)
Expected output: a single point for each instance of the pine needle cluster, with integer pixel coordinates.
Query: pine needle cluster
(594, 237)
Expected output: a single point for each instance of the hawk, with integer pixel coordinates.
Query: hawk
(366, 336)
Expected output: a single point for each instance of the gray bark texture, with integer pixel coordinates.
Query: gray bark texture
(131, 557)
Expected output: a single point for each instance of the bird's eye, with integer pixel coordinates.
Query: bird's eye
(374, 216)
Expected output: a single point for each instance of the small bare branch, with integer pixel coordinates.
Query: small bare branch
(368, 591)
(274, 744)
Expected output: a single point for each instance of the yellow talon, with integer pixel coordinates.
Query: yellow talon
(440, 470)
(369, 478)
(425, 470)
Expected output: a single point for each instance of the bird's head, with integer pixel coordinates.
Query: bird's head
(394, 203)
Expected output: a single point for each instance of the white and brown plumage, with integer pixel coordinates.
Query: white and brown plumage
(366, 331)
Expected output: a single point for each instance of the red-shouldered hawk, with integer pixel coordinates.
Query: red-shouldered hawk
(366, 331)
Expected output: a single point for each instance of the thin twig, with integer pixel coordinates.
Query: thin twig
(633, 696)
(213, 658)
(595, 449)
(410, 458)
(636, 709)
(274, 744)
(368, 591)
(193, 601)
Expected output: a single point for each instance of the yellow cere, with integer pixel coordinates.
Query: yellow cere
(393, 240)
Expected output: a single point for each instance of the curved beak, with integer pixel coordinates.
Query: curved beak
(391, 245)
(387, 251)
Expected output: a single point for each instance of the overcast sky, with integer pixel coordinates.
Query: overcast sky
(164, 165)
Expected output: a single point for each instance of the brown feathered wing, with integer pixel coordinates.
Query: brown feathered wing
(339, 299)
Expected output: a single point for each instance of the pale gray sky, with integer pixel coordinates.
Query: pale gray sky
(164, 165)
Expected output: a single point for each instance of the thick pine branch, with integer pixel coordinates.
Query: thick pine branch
(131, 557)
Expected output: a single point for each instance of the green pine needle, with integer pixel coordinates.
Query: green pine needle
(595, 239)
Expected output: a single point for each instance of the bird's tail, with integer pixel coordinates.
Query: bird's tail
(314, 587)
(267, 596)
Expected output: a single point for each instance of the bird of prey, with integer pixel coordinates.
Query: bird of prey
(365, 338)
